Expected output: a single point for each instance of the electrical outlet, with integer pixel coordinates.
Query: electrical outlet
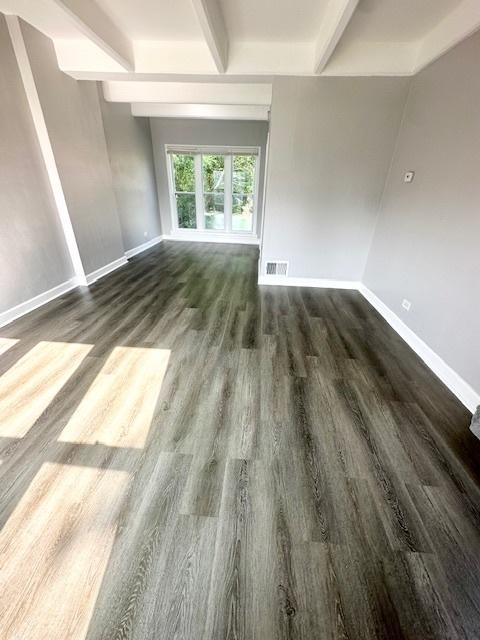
(145, 234)
(406, 304)
(409, 176)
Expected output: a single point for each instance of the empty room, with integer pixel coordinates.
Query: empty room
(239, 320)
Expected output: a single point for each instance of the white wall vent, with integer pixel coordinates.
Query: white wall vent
(276, 268)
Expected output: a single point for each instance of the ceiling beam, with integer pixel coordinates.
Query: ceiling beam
(338, 15)
(209, 111)
(460, 23)
(213, 26)
(92, 22)
(81, 22)
(189, 93)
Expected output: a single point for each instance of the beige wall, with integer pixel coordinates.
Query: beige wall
(331, 141)
(72, 114)
(129, 144)
(426, 246)
(33, 257)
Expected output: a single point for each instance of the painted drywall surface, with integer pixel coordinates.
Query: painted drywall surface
(331, 141)
(74, 121)
(129, 145)
(203, 132)
(33, 257)
(426, 244)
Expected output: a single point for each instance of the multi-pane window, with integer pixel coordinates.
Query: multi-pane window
(185, 193)
(213, 174)
(214, 191)
(243, 190)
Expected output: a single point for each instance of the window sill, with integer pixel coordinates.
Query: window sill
(193, 235)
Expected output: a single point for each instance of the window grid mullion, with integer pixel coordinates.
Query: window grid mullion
(228, 185)
(199, 204)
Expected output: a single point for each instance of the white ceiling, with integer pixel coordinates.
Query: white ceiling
(397, 20)
(244, 41)
(273, 20)
(250, 37)
(154, 19)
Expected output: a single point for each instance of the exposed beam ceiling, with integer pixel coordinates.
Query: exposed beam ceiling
(96, 26)
(253, 38)
(77, 24)
(335, 21)
(455, 27)
(211, 21)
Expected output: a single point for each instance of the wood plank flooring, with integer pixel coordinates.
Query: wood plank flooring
(186, 455)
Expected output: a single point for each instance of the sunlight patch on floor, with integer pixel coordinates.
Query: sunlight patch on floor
(117, 409)
(30, 385)
(54, 550)
(6, 343)
(55, 546)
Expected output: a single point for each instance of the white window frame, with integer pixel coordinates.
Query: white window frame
(201, 232)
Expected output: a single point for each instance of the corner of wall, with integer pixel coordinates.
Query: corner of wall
(387, 178)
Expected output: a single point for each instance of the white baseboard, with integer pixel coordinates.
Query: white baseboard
(213, 237)
(103, 271)
(321, 283)
(457, 385)
(29, 305)
(143, 247)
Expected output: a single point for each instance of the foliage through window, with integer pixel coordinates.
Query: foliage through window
(213, 170)
(214, 191)
(184, 175)
(243, 184)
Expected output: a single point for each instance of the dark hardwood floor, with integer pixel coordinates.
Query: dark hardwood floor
(184, 454)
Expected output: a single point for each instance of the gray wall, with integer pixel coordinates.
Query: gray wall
(33, 257)
(203, 132)
(74, 122)
(426, 246)
(331, 141)
(129, 145)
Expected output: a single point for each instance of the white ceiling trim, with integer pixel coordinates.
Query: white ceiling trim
(81, 23)
(458, 25)
(334, 23)
(97, 26)
(173, 57)
(213, 27)
(74, 56)
(372, 59)
(189, 93)
(271, 58)
(196, 78)
(89, 43)
(207, 111)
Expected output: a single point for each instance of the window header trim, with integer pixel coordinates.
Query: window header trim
(212, 150)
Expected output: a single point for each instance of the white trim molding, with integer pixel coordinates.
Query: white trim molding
(457, 385)
(149, 90)
(336, 20)
(209, 236)
(450, 378)
(200, 234)
(143, 247)
(318, 283)
(33, 303)
(106, 269)
(211, 21)
(201, 111)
